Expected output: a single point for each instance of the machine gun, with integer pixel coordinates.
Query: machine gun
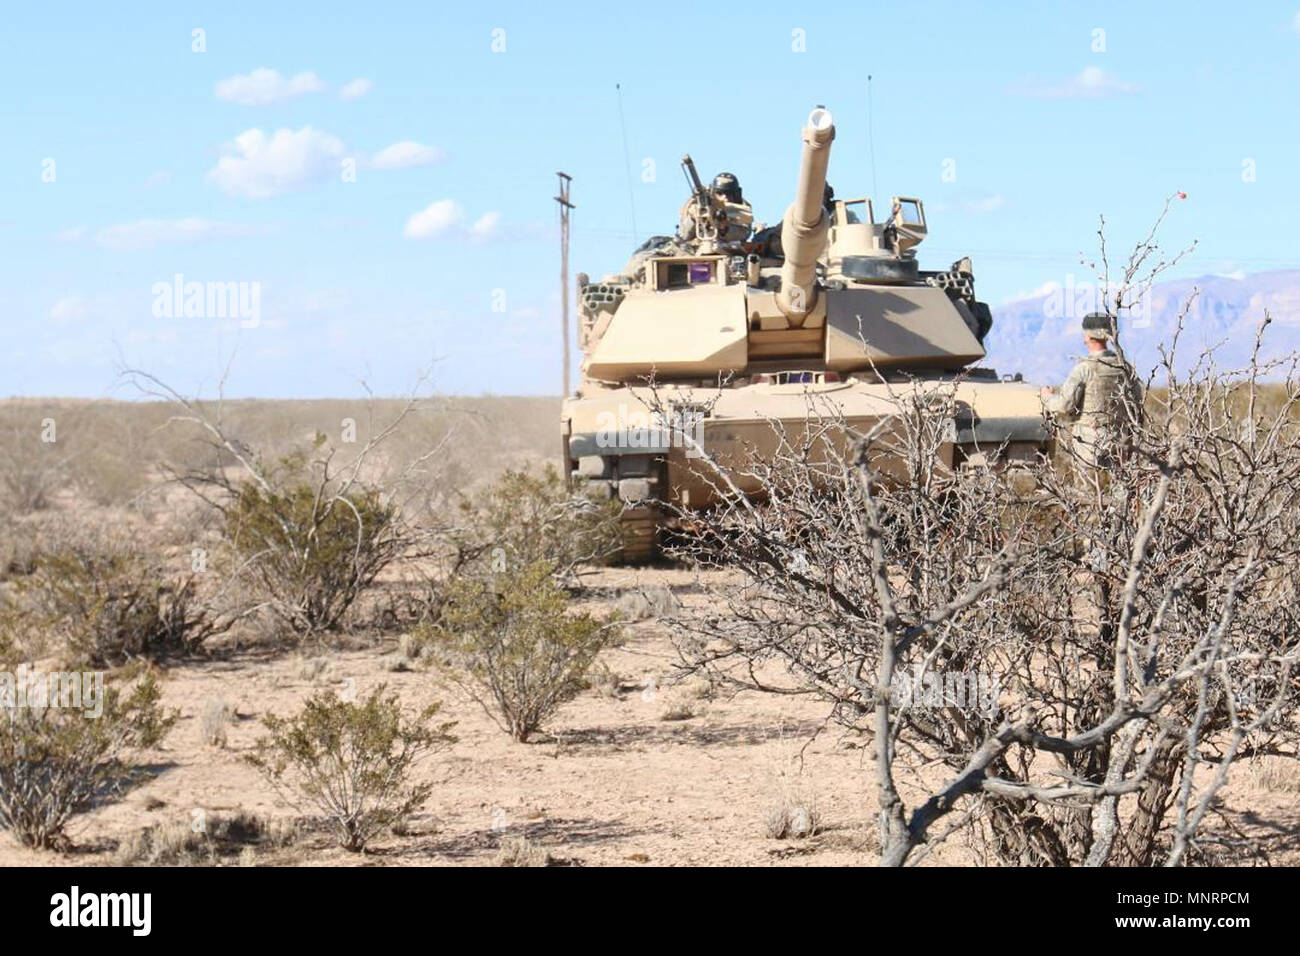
(698, 189)
(702, 209)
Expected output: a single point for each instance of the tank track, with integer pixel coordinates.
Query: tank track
(639, 526)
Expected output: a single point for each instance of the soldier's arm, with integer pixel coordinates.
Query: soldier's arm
(1069, 399)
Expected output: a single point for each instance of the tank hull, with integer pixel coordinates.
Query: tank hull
(616, 444)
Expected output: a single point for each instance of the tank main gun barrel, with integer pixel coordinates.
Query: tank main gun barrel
(803, 231)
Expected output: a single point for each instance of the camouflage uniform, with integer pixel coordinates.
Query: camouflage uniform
(1102, 396)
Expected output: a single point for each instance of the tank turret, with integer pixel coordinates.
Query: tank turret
(712, 340)
(803, 231)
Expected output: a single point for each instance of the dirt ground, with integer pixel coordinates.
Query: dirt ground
(615, 782)
(637, 770)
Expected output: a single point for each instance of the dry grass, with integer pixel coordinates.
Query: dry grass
(214, 720)
(790, 821)
(520, 851)
(111, 453)
(204, 841)
(647, 603)
(1275, 774)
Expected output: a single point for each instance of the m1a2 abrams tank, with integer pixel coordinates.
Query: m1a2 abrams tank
(733, 329)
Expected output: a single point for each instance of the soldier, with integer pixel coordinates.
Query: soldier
(1102, 396)
(728, 211)
(739, 216)
(727, 186)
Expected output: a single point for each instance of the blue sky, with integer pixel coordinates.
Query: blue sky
(168, 161)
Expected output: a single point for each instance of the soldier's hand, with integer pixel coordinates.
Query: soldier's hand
(1046, 391)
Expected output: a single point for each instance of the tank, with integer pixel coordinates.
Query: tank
(726, 326)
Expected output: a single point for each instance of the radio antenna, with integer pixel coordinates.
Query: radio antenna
(627, 162)
(871, 139)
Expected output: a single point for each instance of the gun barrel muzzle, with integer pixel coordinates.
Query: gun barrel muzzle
(803, 231)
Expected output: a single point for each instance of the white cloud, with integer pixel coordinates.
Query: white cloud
(143, 233)
(355, 89)
(70, 308)
(1092, 82)
(446, 219)
(485, 227)
(406, 155)
(984, 204)
(263, 86)
(1047, 288)
(438, 219)
(1295, 23)
(260, 166)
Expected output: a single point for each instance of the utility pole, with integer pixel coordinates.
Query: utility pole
(565, 206)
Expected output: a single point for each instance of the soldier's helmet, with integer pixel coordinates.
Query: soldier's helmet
(1097, 325)
(727, 186)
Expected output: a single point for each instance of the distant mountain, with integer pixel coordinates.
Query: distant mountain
(1039, 336)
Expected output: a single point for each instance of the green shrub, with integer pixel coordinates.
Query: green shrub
(105, 606)
(310, 553)
(526, 517)
(352, 762)
(54, 762)
(513, 646)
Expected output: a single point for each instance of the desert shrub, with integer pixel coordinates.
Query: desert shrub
(527, 517)
(789, 821)
(1275, 774)
(214, 719)
(646, 603)
(105, 606)
(310, 528)
(409, 647)
(18, 550)
(313, 669)
(352, 762)
(54, 762)
(1084, 664)
(217, 839)
(31, 471)
(676, 710)
(111, 474)
(513, 646)
(605, 680)
(521, 851)
(311, 553)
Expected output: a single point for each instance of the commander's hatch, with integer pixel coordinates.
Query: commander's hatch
(908, 222)
(854, 231)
